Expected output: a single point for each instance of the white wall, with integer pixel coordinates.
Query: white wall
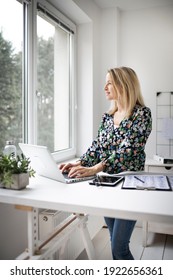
(88, 75)
(146, 45)
(84, 87)
(144, 42)
(110, 26)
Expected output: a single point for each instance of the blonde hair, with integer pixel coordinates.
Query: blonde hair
(127, 86)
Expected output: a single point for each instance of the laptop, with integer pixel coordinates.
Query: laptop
(45, 165)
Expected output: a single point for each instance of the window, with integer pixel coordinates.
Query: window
(37, 76)
(55, 93)
(11, 42)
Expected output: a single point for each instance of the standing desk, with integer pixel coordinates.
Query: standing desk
(83, 198)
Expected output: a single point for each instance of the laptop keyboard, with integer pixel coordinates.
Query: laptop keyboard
(65, 174)
(72, 180)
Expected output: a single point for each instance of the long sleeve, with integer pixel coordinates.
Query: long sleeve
(93, 153)
(121, 148)
(130, 154)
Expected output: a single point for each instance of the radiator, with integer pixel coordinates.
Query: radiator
(49, 219)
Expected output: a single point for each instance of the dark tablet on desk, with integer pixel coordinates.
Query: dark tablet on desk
(107, 181)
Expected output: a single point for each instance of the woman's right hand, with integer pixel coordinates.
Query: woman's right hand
(66, 167)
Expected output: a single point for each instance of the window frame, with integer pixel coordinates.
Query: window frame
(30, 110)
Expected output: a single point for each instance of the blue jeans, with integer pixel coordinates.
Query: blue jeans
(120, 233)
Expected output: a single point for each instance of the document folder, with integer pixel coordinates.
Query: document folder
(148, 182)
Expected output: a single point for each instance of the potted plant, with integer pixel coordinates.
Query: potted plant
(15, 172)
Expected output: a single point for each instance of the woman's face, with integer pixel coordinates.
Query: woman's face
(111, 94)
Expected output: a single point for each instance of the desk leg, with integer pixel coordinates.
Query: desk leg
(32, 219)
(87, 241)
(144, 233)
(32, 231)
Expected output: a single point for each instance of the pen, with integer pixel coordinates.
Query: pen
(139, 179)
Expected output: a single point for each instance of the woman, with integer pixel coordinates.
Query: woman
(119, 146)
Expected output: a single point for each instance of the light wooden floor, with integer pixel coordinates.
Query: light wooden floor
(159, 246)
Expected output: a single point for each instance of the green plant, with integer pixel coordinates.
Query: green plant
(10, 165)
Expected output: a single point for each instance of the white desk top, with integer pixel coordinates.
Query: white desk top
(84, 198)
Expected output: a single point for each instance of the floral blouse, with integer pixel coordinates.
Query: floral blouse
(121, 148)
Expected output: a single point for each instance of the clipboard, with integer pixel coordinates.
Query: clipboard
(147, 182)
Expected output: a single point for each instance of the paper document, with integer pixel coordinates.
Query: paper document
(167, 128)
(149, 182)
